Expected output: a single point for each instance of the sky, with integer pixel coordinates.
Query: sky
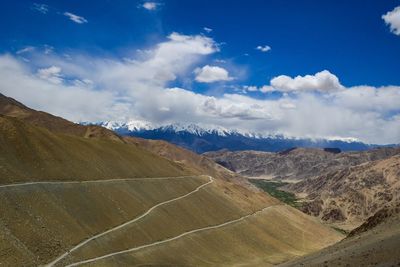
(326, 69)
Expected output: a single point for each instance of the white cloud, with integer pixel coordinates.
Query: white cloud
(150, 5)
(392, 18)
(250, 88)
(86, 88)
(48, 49)
(209, 74)
(323, 81)
(25, 50)
(42, 8)
(266, 89)
(51, 74)
(207, 29)
(69, 101)
(264, 48)
(262, 89)
(75, 18)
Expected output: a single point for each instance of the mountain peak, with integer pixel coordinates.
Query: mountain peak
(201, 138)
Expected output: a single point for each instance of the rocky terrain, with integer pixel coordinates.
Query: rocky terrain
(294, 164)
(349, 196)
(375, 243)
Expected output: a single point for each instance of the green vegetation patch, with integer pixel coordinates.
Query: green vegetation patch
(272, 188)
(340, 230)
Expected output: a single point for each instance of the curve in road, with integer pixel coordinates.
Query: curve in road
(168, 240)
(211, 180)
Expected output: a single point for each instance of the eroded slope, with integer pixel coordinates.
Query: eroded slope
(349, 196)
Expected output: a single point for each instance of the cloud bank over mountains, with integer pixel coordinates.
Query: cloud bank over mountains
(82, 87)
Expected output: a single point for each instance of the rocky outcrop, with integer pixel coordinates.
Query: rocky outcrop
(295, 163)
(353, 194)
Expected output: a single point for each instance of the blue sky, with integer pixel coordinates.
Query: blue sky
(349, 38)
(346, 48)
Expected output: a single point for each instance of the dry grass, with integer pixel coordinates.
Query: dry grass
(376, 247)
(40, 222)
(30, 153)
(266, 239)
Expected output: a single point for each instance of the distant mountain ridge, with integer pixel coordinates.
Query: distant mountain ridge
(204, 138)
(295, 164)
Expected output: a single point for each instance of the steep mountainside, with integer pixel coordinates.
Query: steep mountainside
(72, 200)
(374, 243)
(196, 162)
(12, 108)
(296, 163)
(349, 196)
(30, 153)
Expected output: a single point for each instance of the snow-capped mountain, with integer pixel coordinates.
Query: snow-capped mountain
(202, 138)
(138, 125)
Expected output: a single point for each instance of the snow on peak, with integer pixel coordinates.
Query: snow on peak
(131, 125)
(135, 125)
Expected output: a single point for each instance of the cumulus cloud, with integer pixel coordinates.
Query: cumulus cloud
(88, 88)
(70, 101)
(150, 5)
(210, 74)
(392, 18)
(207, 29)
(264, 48)
(323, 81)
(75, 18)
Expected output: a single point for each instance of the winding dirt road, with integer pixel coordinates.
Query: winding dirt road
(211, 180)
(167, 240)
(95, 181)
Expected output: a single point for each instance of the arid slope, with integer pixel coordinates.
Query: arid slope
(188, 158)
(30, 153)
(12, 108)
(294, 164)
(374, 243)
(348, 197)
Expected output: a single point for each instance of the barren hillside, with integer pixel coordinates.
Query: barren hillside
(70, 200)
(294, 164)
(374, 243)
(349, 196)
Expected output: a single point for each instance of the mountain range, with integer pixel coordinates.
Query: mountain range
(204, 138)
(76, 195)
(83, 195)
(342, 189)
(295, 164)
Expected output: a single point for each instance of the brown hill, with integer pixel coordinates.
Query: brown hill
(31, 153)
(295, 164)
(12, 108)
(349, 196)
(374, 243)
(186, 157)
